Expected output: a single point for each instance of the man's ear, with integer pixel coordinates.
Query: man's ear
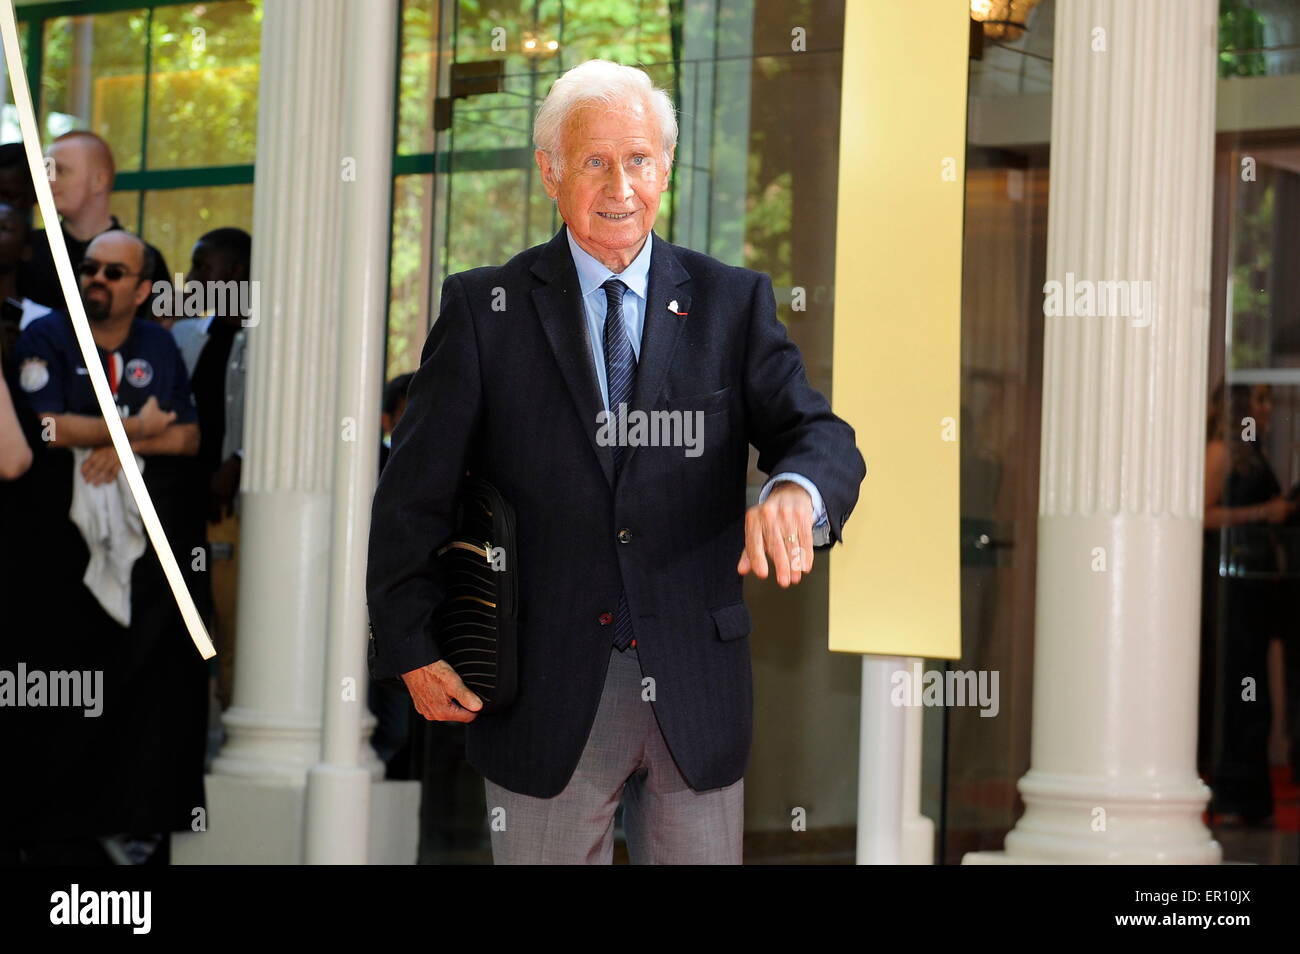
(102, 180)
(668, 170)
(142, 290)
(549, 182)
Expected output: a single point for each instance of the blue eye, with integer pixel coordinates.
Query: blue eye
(639, 160)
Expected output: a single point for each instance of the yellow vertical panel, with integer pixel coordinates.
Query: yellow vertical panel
(895, 583)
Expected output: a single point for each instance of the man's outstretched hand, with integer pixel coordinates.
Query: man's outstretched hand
(779, 527)
(439, 695)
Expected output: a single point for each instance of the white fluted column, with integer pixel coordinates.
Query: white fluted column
(338, 787)
(298, 412)
(290, 429)
(1113, 765)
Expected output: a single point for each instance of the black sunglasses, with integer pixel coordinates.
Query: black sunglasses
(112, 271)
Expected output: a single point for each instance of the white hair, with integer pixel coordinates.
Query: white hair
(600, 82)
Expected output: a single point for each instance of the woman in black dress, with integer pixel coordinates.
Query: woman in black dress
(1240, 609)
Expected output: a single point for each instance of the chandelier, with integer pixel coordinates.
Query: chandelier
(1002, 19)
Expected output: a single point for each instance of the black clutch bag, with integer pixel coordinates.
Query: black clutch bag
(476, 622)
(475, 625)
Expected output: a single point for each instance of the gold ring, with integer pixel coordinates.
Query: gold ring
(792, 538)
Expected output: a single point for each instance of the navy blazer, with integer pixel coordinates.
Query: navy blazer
(507, 387)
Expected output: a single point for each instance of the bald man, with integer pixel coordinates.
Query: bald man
(83, 180)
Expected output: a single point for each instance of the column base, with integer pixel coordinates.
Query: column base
(256, 822)
(1073, 820)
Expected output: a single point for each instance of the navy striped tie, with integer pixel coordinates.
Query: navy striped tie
(620, 371)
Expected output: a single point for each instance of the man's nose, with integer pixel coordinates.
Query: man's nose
(617, 184)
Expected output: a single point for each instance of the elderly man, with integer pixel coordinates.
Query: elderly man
(634, 662)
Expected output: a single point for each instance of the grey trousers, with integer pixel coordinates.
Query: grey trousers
(665, 820)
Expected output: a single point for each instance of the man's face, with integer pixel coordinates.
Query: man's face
(613, 175)
(75, 175)
(210, 264)
(13, 236)
(107, 298)
(16, 188)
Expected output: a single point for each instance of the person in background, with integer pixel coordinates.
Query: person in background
(393, 407)
(15, 452)
(82, 182)
(140, 765)
(16, 178)
(16, 311)
(214, 348)
(1242, 500)
(16, 435)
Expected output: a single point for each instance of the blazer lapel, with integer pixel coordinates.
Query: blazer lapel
(662, 327)
(559, 306)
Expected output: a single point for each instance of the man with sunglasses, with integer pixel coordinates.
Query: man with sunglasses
(151, 737)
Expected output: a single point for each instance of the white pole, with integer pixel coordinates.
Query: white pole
(918, 831)
(338, 788)
(880, 764)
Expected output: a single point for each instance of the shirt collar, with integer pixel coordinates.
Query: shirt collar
(592, 273)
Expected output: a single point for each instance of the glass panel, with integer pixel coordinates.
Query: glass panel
(93, 78)
(9, 128)
(1259, 38)
(203, 84)
(418, 76)
(175, 218)
(971, 781)
(126, 206)
(409, 272)
(1249, 748)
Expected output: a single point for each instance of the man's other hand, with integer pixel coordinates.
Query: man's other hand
(439, 695)
(101, 466)
(224, 488)
(153, 419)
(779, 527)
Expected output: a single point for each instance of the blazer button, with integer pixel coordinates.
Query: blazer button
(625, 535)
(606, 619)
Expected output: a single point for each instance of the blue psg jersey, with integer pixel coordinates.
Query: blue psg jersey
(54, 379)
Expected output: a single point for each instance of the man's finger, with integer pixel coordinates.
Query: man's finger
(454, 713)
(466, 697)
(776, 546)
(754, 543)
(805, 546)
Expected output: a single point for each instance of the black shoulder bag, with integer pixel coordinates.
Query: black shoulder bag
(475, 625)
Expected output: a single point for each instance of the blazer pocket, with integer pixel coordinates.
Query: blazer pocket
(710, 402)
(732, 621)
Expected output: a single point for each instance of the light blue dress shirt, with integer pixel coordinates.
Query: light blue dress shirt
(592, 274)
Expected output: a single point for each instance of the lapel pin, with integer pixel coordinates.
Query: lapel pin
(672, 306)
